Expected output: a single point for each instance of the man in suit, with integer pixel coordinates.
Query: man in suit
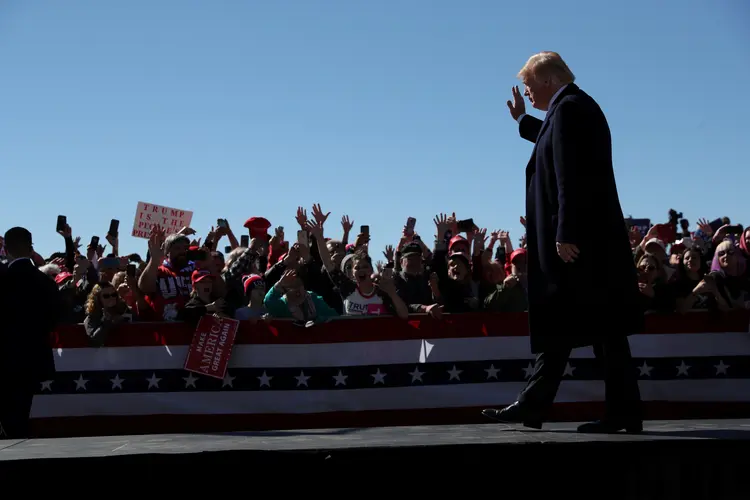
(582, 281)
(30, 307)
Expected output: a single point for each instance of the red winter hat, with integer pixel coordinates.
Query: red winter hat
(258, 227)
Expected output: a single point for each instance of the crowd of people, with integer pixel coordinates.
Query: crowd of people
(324, 273)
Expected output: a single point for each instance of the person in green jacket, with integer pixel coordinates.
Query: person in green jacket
(289, 299)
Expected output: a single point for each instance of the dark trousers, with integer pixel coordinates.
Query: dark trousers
(622, 396)
(16, 397)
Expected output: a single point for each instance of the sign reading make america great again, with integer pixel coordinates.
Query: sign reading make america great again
(212, 345)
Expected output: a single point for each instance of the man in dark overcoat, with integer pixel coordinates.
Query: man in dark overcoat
(582, 280)
(30, 309)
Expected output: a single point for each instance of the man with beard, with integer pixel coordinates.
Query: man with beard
(166, 280)
(30, 308)
(582, 282)
(412, 285)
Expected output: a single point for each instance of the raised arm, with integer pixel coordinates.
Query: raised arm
(316, 229)
(529, 127)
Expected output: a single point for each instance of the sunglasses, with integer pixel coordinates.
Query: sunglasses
(109, 295)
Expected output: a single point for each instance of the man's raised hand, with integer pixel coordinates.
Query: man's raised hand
(517, 107)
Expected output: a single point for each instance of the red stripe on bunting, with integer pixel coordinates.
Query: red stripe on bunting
(176, 424)
(381, 329)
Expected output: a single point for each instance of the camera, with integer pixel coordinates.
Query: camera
(674, 216)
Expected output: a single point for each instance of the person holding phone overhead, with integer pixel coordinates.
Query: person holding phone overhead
(580, 292)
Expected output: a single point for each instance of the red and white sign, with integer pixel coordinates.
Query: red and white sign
(211, 348)
(170, 219)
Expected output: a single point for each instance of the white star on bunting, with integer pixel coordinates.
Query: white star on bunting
(153, 381)
(302, 379)
(645, 370)
(721, 368)
(81, 382)
(228, 380)
(378, 378)
(568, 370)
(340, 378)
(529, 370)
(454, 373)
(265, 380)
(117, 382)
(682, 369)
(416, 375)
(47, 385)
(492, 372)
(190, 381)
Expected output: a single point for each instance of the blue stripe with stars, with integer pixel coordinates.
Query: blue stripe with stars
(364, 377)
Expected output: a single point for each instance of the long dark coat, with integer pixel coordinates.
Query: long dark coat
(30, 309)
(571, 197)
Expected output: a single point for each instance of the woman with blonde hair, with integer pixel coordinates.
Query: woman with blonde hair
(725, 283)
(105, 311)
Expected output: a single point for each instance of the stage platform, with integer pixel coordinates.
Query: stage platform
(707, 458)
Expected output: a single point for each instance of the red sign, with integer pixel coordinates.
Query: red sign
(212, 346)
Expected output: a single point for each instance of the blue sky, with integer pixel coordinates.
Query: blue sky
(376, 109)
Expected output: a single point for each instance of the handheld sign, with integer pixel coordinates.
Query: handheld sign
(212, 345)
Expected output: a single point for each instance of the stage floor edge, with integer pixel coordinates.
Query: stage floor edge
(668, 460)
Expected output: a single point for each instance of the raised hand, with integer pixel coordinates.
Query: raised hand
(65, 232)
(442, 224)
(518, 106)
(480, 239)
(301, 217)
(704, 226)
(388, 253)
(386, 283)
(156, 242)
(222, 231)
(287, 279)
(318, 214)
(346, 224)
(315, 228)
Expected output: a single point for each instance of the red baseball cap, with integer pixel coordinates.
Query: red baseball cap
(200, 275)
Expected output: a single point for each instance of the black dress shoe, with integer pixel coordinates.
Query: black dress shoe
(514, 414)
(612, 427)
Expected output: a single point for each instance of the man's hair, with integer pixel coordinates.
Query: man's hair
(547, 66)
(361, 254)
(18, 242)
(173, 239)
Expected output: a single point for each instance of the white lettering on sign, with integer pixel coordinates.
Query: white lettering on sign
(211, 349)
(171, 219)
